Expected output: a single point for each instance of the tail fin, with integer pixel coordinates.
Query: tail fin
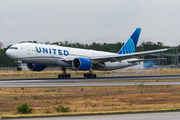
(130, 45)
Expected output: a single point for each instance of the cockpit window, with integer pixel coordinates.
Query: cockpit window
(13, 48)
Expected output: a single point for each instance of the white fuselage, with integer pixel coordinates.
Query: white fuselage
(60, 56)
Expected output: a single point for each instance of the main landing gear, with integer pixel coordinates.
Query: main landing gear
(90, 75)
(64, 75)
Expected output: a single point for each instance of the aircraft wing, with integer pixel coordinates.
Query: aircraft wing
(141, 60)
(119, 57)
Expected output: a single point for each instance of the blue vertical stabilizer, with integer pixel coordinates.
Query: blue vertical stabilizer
(130, 45)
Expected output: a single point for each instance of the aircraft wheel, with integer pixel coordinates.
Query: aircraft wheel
(65, 76)
(94, 75)
(59, 76)
(68, 76)
(91, 75)
(62, 76)
(85, 75)
(19, 69)
(88, 75)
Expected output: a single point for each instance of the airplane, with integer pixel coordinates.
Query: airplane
(38, 56)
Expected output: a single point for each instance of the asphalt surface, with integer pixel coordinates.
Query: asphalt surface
(151, 77)
(80, 81)
(139, 116)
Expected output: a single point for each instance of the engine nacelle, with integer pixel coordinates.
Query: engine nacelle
(81, 63)
(36, 67)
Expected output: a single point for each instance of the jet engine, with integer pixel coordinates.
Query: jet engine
(36, 67)
(81, 63)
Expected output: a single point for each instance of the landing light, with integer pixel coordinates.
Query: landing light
(18, 61)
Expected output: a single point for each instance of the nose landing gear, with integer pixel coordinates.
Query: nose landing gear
(19, 69)
(64, 75)
(19, 63)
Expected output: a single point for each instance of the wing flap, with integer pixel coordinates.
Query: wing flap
(141, 60)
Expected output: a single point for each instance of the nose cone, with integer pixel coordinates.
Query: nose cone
(10, 53)
(7, 52)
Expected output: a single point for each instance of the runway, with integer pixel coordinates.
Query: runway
(80, 81)
(139, 116)
(151, 77)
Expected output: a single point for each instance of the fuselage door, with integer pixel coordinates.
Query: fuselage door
(28, 50)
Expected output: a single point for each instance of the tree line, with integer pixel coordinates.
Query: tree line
(5, 61)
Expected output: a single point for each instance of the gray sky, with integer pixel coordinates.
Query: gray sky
(87, 21)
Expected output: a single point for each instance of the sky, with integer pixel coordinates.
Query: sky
(87, 21)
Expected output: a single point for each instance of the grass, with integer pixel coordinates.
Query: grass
(82, 89)
(47, 112)
(94, 105)
(131, 104)
(16, 98)
(140, 85)
(61, 108)
(91, 100)
(24, 109)
(35, 97)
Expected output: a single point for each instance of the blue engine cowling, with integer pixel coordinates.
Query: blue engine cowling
(36, 67)
(81, 64)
